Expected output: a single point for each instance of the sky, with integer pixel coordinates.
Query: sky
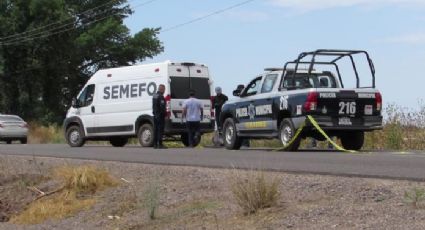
(239, 43)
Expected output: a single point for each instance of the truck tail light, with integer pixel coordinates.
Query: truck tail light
(212, 107)
(1, 126)
(311, 102)
(168, 105)
(378, 99)
(24, 125)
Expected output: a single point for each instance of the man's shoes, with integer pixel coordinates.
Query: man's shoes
(162, 147)
(155, 147)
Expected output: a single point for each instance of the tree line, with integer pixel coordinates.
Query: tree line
(50, 48)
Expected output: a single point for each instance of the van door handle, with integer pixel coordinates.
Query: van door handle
(93, 109)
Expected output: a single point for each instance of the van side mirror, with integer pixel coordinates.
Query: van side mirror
(74, 102)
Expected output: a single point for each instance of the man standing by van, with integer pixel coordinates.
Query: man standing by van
(159, 112)
(193, 112)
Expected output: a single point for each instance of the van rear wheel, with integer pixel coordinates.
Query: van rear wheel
(74, 136)
(118, 141)
(145, 135)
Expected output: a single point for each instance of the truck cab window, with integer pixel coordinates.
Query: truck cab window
(309, 81)
(86, 96)
(268, 83)
(252, 87)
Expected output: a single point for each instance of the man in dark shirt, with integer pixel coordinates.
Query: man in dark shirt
(218, 102)
(159, 113)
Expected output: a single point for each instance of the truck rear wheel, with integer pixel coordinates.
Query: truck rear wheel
(185, 140)
(118, 141)
(352, 140)
(286, 134)
(145, 135)
(231, 139)
(74, 136)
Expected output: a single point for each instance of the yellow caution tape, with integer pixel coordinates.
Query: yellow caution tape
(321, 131)
(314, 123)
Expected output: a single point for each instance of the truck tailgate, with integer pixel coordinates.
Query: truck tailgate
(349, 103)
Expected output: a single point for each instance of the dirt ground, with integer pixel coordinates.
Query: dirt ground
(201, 198)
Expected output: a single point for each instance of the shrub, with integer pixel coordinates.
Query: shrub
(415, 197)
(84, 179)
(39, 134)
(253, 191)
(151, 197)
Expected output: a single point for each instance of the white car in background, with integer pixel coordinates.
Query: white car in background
(13, 128)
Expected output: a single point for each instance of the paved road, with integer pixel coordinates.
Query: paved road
(393, 165)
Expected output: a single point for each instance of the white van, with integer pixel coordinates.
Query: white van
(116, 103)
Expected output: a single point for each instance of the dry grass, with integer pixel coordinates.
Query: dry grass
(76, 181)
(84, 179)
(39, 134)
(59, 206)
(253, 191)
(404, 129)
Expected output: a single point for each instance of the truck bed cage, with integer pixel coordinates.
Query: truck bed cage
(338, 54)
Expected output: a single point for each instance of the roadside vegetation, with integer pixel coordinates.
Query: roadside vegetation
(253, 191)
(77, 186)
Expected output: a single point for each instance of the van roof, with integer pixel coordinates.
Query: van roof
(150, 68)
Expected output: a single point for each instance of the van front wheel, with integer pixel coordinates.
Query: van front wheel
(145, 135)
(74, 136)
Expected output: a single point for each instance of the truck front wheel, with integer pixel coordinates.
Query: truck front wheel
(352, 140)
(286, 135)
(231, 139)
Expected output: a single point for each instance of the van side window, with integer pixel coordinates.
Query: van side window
(268, 83)
(86, 96)
(252, 87)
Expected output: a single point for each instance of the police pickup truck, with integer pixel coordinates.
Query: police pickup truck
(275, 104)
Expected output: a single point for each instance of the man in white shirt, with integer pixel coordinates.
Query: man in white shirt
(193, 112)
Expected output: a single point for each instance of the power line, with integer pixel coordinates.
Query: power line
(206, 16)
(44, 34)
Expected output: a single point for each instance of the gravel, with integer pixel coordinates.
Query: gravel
(200, 198)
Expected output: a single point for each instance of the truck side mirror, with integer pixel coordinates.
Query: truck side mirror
(237, 92)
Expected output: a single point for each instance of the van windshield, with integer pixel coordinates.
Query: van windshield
(180, 87)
